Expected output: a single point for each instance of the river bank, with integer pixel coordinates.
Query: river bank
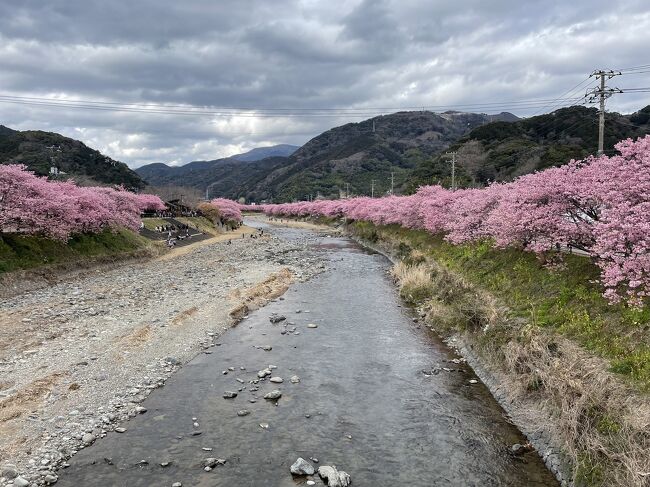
(588, 423)
(78, 357)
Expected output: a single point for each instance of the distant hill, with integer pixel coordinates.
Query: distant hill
(501, 151)
(200, 174)
(259, 153)
(350, 156)
(41, 150)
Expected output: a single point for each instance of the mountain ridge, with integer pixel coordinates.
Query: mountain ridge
(351, 155)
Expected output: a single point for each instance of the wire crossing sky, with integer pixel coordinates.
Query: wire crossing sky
(168, 81)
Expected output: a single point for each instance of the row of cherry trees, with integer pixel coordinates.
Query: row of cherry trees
(600, 205)
(34, 205)
(229, 210)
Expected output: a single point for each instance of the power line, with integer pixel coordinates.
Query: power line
(247, 113)
(634, 68)
(566, 93)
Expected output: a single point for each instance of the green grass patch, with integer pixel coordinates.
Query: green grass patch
(203, 224)
(152, 223)
(19, 252)
(566, 298)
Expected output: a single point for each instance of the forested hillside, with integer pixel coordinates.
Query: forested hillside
(40, 151)
(501, 151)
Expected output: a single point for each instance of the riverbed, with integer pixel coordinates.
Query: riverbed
(378, 395)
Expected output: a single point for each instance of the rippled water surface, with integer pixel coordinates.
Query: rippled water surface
(362, 404)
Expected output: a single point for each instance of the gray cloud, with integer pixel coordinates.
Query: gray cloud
(297, 54)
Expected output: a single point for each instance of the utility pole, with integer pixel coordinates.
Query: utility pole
(373, 126)
(453, 168)
(600, 94)
(347, 190)
(392, 183)
(372, 188)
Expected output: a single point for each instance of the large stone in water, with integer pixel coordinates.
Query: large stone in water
(302, 467)
(333, 477)
(276, 394)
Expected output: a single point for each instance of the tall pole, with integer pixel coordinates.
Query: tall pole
(601, 116)
(600, 94)
(347, 190)
(392, 183)
(453, 169)
(372, 188)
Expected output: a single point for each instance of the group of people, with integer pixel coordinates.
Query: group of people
(173, 214)
(258, 234)
(182, 232)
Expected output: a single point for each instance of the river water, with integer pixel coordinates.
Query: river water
(363, 402)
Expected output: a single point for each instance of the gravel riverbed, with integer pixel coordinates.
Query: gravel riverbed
(78, 358)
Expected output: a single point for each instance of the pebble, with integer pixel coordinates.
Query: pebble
(229, 395)
(9, 472)
(295, 379)
(473, 381)
(120, 429)
(51, 479)
(21, 482)
(243, 412)
(177, 484)
(312, 325)
(276, 380)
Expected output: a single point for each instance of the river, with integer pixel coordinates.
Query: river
(363, 402)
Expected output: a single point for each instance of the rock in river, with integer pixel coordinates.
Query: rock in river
(276, 394)
(213, 462)
(263, 373)
(302, 467)
(277, 380)
(229, 395)
(333, 477)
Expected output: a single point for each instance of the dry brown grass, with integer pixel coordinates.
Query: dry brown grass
(412, 276)
(134, 338)
(258, 295)
(27, 397)
(604, 424)
(184, 315)
(446, 298)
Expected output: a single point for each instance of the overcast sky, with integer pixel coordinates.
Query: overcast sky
(299, 55)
